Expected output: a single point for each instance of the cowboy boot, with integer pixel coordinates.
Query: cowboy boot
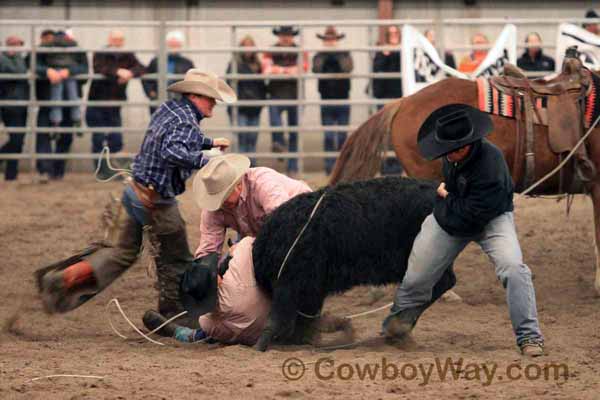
(153, 320)
(64, 290)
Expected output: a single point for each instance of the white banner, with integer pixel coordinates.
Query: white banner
(587, 44)
(422, 65)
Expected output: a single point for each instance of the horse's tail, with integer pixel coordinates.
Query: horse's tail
(363, 152)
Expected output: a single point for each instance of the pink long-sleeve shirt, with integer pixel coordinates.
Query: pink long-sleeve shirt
(242, 308)
(263, 191)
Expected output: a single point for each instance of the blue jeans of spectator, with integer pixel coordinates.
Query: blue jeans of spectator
(434, 250)
(105, 117)
(247, 140)
(65, 90)
(13, 117)
(54, 168)
(334, 140)
(278, 138)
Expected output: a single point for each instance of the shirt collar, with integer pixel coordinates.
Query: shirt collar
(197, 112)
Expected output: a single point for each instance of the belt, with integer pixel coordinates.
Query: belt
(146, 194)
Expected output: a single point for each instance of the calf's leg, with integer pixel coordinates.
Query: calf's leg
(282, 318)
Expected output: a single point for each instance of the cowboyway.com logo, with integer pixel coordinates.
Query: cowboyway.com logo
(440, 370)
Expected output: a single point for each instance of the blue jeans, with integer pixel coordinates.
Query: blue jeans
(13, 117)
(62, 144)
(247, 140)
(109, 117)
(65, 90)
(434, 250)
(334, 115)
(277, 137)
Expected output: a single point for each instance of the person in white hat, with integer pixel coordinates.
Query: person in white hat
(233, 195)
(172, 149)
(176, 64)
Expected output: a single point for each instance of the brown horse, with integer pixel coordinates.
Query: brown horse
(361, 155)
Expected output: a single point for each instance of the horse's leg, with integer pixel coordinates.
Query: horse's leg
(282, 318)
(596, 204)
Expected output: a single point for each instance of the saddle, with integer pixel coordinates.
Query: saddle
(565, 96)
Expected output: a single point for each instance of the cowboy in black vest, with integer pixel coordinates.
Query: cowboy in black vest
(475, 203)
(284, 63)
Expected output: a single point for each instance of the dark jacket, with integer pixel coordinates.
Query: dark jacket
(387, 88)
(248, 89)
(107, 64)
(180, 65)
(480, 189)
(283, 88)
(333, 62)
(539, 63)
(17, 89)
(42, 84)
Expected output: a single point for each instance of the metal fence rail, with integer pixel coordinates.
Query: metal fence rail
(232, 27)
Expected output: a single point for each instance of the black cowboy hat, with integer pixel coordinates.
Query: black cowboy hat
(331, 33)
(285, 30)
(451, 127)
(198, 287)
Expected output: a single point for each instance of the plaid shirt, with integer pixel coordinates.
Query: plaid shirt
(172, 148)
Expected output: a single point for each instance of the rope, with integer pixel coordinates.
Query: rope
(66, 376)
(368, 312)
(140, 332)
(562, 164)
(135, 327)
(312, 214)
(119, 171)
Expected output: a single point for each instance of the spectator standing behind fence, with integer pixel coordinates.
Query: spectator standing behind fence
(13, 62)
(284, 63)
(176, 64)
(448, 56)
(66, 89)
(247, 62)
(388, 61)
(58, 143)
(592, 27)
(471, 62)
(533, 58)
(332, 61)
(118, 68)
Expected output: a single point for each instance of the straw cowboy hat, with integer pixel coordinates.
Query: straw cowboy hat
(205, 84)
(331, 34)
(217, 179)
(451, 127)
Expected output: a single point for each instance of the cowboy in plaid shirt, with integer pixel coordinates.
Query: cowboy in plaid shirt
(171, 150)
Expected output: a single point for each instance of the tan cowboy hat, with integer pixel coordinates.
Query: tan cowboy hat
(217, 179)
(205, 84)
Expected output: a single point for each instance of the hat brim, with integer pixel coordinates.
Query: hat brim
(432, 149)
(208, 303)
(336, 37)
(280, 32)
(223, 93)
(213, 202)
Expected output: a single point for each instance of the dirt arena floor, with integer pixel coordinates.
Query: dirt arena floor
(471, 340)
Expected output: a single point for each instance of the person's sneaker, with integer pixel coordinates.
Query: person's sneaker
(153, 320)
(43, 179)
(530, 348)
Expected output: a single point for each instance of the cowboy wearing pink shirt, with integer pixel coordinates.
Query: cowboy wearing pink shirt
(225, 299)
(233, 195)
